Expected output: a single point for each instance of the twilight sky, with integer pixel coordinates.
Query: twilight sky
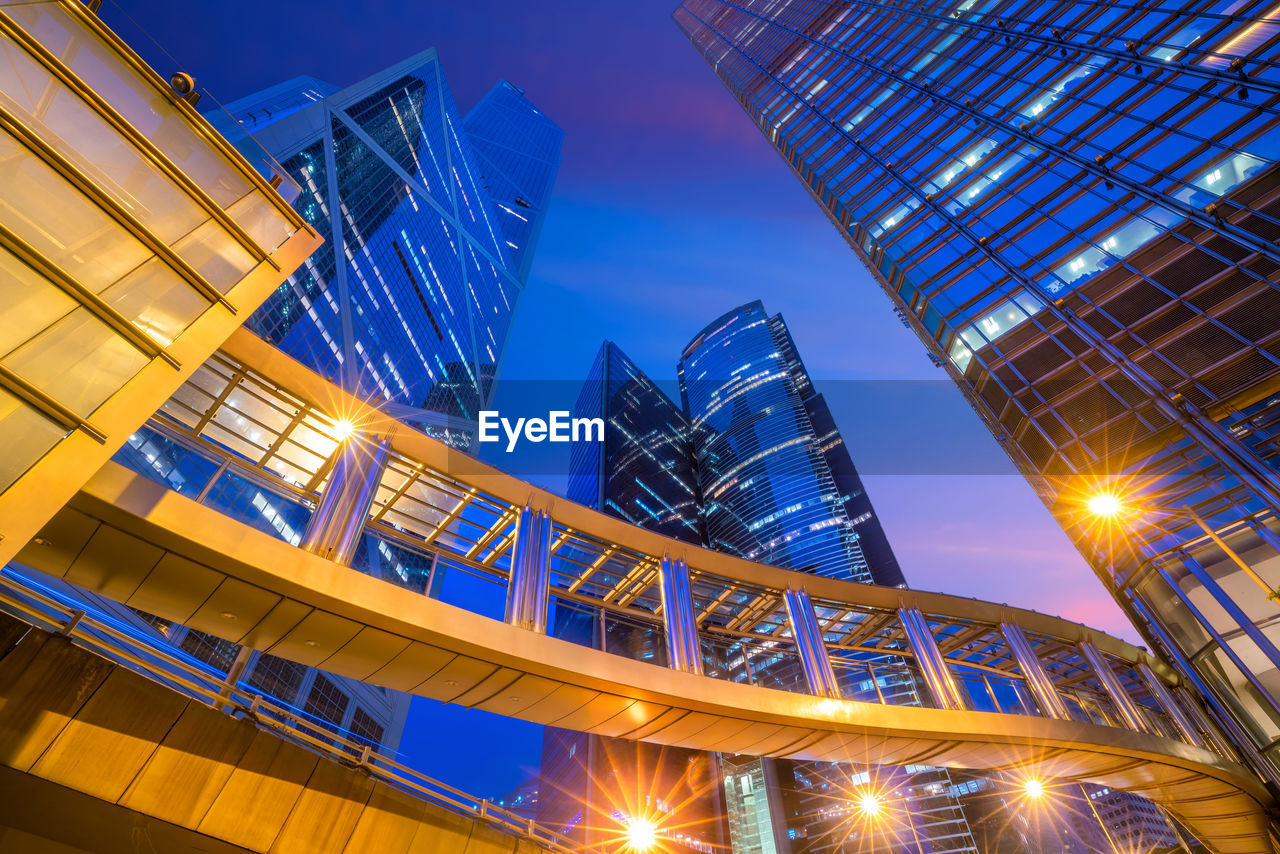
(670, 209)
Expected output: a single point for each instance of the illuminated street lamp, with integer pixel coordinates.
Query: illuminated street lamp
(343, 429)
(1108, 506)
(1033, 789)
(1105, 505)
(641, 835)
(871, 805)
(874, 809)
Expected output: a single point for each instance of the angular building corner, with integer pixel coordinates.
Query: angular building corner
(411, 302)
(133, 239)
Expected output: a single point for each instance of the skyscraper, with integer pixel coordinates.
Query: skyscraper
(643, 471)
(431, 221)
(409, 302)
(778, 483)
(1074, 208)
(752, 464)
(779, 486)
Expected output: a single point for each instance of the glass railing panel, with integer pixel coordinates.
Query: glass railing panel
(394, 562)
(256, 505)
(28, 437)
(159, 458)
(775, 664)
(575, 622)
(634, 638)
(859, 682)
(723, 657)
(470, 588)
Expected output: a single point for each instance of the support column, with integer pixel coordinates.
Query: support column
(530, 571)
(810, 645)
(942, 685)
(234, 674)
(335, 528)
(1041, 686)
(684, 652)
(1170, 706)
(1111, 684)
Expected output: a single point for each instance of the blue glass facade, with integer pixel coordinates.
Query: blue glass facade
(1074, 207)
(768, 489)
(643, 471)
(431, 220)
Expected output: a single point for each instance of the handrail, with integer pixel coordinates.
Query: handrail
(157, 661)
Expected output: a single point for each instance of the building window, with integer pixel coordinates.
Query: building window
(277, 678)
(212, 651)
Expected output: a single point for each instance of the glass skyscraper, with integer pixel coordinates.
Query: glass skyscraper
(643, 471)
(777, 481)
(1075, 209)
(408, 302)
(750, 463)
(430, 220)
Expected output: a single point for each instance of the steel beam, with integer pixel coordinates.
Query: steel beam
(1120, 698)
(1171, 707)
(1038, 681)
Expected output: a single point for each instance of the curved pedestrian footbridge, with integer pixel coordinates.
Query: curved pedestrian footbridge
(596, 625)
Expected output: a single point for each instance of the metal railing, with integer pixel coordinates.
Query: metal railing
(153, 659)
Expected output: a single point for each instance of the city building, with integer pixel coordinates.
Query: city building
(1128, 822)
(410, 301)
(415, 315)
(522, 800)
(1074, 208)
(778, 483)
(643, 471)
(751, 463)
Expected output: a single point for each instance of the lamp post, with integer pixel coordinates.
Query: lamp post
(1109, 506)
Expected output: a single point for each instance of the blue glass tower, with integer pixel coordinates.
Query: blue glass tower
(1074, 207)
(430, 220)
(777, 481)
(643, 471)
